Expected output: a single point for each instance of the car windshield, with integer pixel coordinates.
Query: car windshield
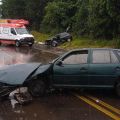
(63, 34)
(21, 31)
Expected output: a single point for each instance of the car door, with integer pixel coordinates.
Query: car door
(103, 68)
(5, 33)
(73, 70)
(12, 34)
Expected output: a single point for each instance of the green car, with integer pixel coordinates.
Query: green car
(80, 68)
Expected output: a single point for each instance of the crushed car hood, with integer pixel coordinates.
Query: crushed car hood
(17, 74)
(42, 69)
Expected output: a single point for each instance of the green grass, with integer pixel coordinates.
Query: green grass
(89, 43)
(40, 37)
(80, 42)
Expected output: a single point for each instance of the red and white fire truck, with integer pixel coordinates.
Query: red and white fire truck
(14, 32)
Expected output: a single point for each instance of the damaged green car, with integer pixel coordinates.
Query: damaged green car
(79, 68)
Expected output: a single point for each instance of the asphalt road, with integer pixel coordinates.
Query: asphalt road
(57, 105)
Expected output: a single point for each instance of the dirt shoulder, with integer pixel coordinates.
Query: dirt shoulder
(53, 50)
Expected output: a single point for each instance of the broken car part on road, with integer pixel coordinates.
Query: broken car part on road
(20, 96)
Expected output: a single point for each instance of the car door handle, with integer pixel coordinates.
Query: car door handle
(83, 69)
(117, 68)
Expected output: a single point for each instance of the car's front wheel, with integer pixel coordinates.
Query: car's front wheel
(17, 43)
(37, 88)
(118, 89)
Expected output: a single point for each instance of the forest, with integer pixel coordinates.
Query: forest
(91, 18)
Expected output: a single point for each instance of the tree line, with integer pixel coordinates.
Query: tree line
(92, 18)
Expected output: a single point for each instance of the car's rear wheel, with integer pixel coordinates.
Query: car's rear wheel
(17, 43)
(54, 43)
(68, 40)
(118, 89)
(37, 88)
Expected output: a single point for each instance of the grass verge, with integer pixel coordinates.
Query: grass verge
(80, 42)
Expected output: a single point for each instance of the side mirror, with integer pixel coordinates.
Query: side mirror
(59, 62)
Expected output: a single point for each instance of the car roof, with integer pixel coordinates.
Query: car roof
(95, 49)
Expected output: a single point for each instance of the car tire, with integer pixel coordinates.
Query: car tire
(30, 45)
(17, 43)
(54, 43)
(69, 40)
(117, 88)
(37, 88)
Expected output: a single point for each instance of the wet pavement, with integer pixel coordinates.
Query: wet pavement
(12, 55)
(57, 105)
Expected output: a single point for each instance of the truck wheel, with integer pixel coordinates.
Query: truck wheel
(37, 88)
(118, 89)
(17, 43)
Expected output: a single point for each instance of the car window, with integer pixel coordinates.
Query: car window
(118, 52)
(63, 34)
(77, 57)
(5, 30)
(114, 59)
(13, 31)
(101, 56)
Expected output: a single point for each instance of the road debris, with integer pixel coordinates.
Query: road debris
(20, 96)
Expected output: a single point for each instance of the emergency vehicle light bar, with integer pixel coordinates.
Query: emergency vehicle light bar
(16, 21)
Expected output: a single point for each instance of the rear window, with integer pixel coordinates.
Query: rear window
(101, 56)
(118, 52)
(114, 59)
(63, 34)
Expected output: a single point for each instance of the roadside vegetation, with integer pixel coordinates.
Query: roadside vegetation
(80, 42)
(40, 37)
(98, 20)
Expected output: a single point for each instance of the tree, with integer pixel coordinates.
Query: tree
(97, 18)
(13, 8)
(104, 18)
(58, 15)
(80, 24)
(34, 12)
(25, 9)
(113, 8)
